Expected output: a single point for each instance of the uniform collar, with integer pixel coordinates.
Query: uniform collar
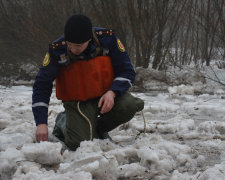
(90, 48)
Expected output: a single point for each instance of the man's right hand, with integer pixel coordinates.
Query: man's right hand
(42, 132)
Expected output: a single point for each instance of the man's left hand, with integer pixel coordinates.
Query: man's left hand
(106, 101)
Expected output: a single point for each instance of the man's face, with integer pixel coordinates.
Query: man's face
(77, 48)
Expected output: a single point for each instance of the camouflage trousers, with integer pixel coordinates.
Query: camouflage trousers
(80, 120)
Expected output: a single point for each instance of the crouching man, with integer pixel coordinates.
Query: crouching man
(93, 73)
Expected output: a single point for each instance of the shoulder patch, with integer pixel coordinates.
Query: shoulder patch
(46, 60)
(120, 45)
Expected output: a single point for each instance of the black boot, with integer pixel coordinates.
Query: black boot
(102, 130)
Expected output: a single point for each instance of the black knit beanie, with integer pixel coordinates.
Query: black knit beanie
(78, 29)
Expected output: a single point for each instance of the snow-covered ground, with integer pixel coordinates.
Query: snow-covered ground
(184, 139)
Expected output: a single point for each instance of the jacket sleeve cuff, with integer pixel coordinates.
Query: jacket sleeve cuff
(117, 91)
(119, 87)
(40, 115)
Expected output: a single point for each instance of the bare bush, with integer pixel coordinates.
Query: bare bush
(157, 32)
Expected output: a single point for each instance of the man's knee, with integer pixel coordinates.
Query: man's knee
(127, 102)
(139, 104)
(124, 110)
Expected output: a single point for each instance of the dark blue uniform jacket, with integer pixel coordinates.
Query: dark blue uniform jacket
(42, 88)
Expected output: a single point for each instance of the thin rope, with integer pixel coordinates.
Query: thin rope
(144, 125)
(85, 117)
(144, 121)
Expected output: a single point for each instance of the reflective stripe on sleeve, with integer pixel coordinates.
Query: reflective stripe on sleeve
(40, 104)
(123, 79)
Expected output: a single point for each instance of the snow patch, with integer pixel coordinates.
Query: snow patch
(44, 153)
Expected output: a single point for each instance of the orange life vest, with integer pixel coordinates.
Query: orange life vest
(84, 79)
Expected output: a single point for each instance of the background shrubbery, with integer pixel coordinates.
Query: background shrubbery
(160, 32)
